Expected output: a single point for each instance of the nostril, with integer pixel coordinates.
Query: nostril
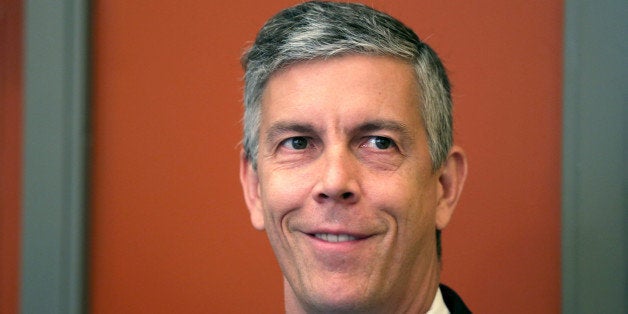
(347, 196)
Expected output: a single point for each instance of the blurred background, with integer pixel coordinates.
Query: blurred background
(119, 142)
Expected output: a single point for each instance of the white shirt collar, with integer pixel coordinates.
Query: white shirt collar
(438, 306)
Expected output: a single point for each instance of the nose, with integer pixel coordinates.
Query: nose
(338, 179)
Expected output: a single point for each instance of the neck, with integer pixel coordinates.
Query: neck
(416, 298)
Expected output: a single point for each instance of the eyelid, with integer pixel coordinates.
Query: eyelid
(370, 138)
(284, 142)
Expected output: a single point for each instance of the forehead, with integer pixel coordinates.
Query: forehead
(376, 86)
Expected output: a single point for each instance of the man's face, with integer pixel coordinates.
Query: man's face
(344, 186)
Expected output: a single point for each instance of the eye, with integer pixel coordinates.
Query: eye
(379, 142)
(297, 143)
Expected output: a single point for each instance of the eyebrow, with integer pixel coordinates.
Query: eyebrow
(282, 127)
(279, 128)
(390, 125)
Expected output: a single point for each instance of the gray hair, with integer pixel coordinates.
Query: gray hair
(321, 30)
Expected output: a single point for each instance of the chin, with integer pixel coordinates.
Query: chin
(337, 305)
(339, 298)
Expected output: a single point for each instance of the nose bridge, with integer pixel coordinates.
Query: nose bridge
(338, 179)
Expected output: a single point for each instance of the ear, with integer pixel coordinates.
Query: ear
(452, 176)
(250, 187)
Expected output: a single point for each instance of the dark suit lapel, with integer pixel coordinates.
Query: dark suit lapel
(453, 301)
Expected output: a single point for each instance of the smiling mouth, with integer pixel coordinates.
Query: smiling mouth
(329, 237)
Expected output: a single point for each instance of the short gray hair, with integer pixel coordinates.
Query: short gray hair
(321, 30)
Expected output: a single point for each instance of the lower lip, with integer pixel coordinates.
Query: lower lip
(337, 247)
(340, 257)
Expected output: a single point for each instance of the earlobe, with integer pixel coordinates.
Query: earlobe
(451, 181)
(250, 187)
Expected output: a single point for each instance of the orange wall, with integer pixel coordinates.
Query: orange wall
(169, 229)
(10, 148)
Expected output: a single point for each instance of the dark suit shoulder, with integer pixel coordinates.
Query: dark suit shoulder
(453, 302)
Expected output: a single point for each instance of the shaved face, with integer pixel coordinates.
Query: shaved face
(344, 186)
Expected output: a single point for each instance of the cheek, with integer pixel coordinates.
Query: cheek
(415, 223)
(282, 192)
(411, 201)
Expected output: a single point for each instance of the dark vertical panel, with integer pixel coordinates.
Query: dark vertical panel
(55, 124)
(594, 232)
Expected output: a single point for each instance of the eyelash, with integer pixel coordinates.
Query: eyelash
(371, 141)
(286, 142)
